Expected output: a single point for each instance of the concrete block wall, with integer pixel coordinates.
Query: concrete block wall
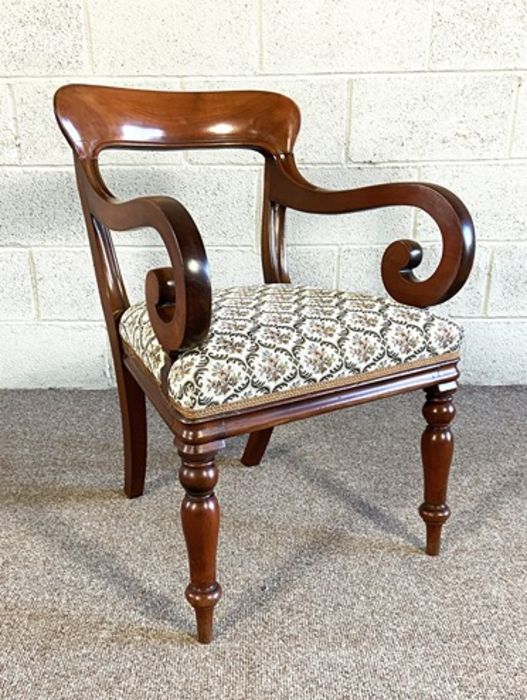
(389, 90)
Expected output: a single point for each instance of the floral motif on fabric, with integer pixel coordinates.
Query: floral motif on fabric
(271, 338)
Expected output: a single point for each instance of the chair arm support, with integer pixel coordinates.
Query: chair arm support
(290, 189)
(178, 298)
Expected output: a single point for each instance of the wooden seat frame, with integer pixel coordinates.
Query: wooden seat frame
(178, 297)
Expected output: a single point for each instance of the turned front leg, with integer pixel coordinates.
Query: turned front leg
(200, 516)
(437, 445)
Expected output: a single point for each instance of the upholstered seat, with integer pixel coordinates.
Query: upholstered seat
(218, 364)
(280, 338)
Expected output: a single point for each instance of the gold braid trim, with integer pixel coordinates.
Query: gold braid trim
(274, 396)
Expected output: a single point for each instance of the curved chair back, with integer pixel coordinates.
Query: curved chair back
(93, 118)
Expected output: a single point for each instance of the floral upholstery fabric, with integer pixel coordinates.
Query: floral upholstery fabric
(283, 338)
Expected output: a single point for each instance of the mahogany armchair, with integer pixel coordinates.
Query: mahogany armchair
(256, 357)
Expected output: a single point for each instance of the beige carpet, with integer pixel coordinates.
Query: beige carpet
(327, 593)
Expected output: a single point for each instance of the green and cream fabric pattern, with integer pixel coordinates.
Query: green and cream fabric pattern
(282, 338)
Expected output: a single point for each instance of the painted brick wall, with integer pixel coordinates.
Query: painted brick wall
(389, 90)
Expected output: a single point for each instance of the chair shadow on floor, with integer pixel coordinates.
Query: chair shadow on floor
(258, 596)
(91, 556)
(488, 506)
(315, 550)
(335, 489)
(157, 607)
(33, 495)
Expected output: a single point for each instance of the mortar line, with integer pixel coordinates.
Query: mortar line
(258, 213)
(87, 30)
(349, 117)
(16, 120)
(250, 247)
(510, 70)
(337, 268)
(430, 35)
(415, 211)
(349, 165)
(55, 321)
(260, 22)
(488, 282)
(34, 284)
(512, 127)
(100, 322)
(108, 363)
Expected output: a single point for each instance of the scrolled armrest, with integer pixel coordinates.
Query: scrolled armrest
(290, 189)
(178, 298)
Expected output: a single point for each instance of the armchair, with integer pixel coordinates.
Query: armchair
(253, 358)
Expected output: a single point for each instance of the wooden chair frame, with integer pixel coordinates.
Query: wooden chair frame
(178, 297)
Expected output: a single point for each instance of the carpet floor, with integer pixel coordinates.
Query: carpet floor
(327, 592)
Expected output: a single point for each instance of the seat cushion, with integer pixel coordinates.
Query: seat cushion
(270, 341)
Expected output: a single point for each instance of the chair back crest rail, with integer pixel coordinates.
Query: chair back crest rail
(179, 299)
(94, 118)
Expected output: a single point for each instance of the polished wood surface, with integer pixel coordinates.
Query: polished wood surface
(256, 446)
(200, 517)
(290, 189)
(437, 447)
(94, 117)
(133, 414)
(179, 296)
(178, 325)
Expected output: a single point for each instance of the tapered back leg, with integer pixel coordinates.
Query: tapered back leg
(255, 447)
(133, 416)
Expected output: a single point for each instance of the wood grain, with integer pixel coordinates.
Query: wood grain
(179, 297)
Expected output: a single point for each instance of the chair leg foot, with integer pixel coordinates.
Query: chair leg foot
(200, 517)
(204, 620)
(255, 447)
(433, 535)
(437, 445)
(133, 416)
